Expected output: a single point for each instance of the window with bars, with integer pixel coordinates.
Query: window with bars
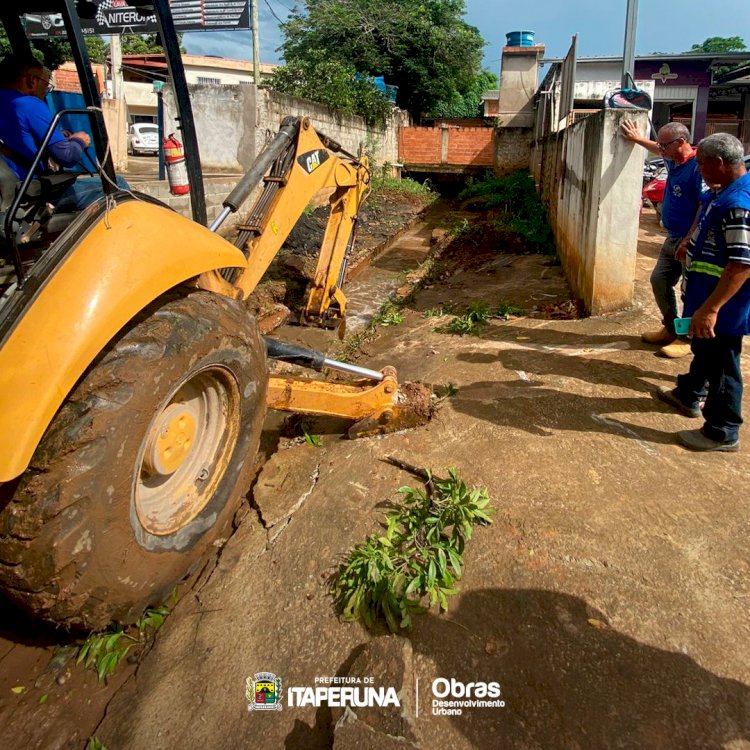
(208, 80)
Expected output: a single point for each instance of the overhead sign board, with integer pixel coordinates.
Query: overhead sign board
(117, 17)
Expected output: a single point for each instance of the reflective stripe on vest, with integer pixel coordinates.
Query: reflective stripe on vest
(710, 269)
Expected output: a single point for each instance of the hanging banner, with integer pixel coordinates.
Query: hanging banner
(117, 17)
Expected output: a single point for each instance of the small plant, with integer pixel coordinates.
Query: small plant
(438, 312)
(389, 315)
(505, 310)
(102, 652)
(477, 314)
(431, 270)
(418, 558)
(95, 743)
(313, 440)
(459, 228)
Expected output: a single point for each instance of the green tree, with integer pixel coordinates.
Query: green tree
(719, 44)
(144, 44)
(334, 84)
(470, 103)
(424, 47)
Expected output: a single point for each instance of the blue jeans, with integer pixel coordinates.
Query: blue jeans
(716, 362)
(665, 276)
(83, 191)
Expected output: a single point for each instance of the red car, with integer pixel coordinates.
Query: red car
(653, 190)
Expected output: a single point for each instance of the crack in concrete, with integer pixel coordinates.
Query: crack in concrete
(314, 477)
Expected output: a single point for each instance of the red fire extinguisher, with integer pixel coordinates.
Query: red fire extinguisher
(174, 158)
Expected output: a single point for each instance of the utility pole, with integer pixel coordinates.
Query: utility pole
(256, 42)
(115, 57)
(628, 55)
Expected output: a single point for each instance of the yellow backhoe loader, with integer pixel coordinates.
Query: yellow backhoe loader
(133, 380)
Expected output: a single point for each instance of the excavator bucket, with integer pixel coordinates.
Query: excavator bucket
(375, 401)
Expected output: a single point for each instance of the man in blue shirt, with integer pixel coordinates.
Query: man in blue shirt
(717, 297)
(25, 118)
(681, 203)
(24, 121)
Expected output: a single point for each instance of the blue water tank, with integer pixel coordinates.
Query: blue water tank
(520, 39)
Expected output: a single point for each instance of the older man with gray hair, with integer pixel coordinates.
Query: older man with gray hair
(717, 297)
(679, 211)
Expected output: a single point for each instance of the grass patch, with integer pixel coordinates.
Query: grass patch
(417, 559)
(521, 210)
(404, 185)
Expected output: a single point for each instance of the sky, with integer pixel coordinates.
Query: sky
(600, 25)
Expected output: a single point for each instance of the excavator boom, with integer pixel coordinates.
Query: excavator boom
(298, 166)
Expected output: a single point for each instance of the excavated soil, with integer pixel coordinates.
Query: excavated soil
(384, 215)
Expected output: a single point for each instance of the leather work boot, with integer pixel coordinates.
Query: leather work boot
(662, 336)
(676, 350)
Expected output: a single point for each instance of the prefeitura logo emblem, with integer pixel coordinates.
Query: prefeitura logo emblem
(264, 693)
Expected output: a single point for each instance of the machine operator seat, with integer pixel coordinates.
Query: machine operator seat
(41, 192)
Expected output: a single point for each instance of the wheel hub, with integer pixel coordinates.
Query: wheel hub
(186, 451)
(170, 441)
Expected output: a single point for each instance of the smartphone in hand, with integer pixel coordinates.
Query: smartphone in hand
(682, 326)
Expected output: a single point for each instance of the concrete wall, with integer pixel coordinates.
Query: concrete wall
(215, 189)
(117, 131)
(234, 123)
(512, 150)
(590, 179)
(518, 82)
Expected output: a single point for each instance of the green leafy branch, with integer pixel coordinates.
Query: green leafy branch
(476, 316)
(102, 652)
(418, 558)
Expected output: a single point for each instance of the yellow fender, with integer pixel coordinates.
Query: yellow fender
(129, 257)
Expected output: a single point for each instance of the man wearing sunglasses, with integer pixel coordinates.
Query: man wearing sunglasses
(25, 118)
(682, 196)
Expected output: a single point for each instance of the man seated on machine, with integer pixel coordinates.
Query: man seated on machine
(24, 121)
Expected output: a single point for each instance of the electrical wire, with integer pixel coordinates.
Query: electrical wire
(273, 12)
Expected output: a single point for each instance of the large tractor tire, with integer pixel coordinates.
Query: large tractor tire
(141, 470)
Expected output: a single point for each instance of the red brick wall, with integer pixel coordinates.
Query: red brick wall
(419, 145)
(66, 78)
(470, 146)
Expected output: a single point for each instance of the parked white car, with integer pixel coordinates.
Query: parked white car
(143, 138)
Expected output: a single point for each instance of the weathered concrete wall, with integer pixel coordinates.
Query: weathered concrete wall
(512, 149)
(590, 179)
(234, 123)
(215, 189)
(113, 111)
(518, 82)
